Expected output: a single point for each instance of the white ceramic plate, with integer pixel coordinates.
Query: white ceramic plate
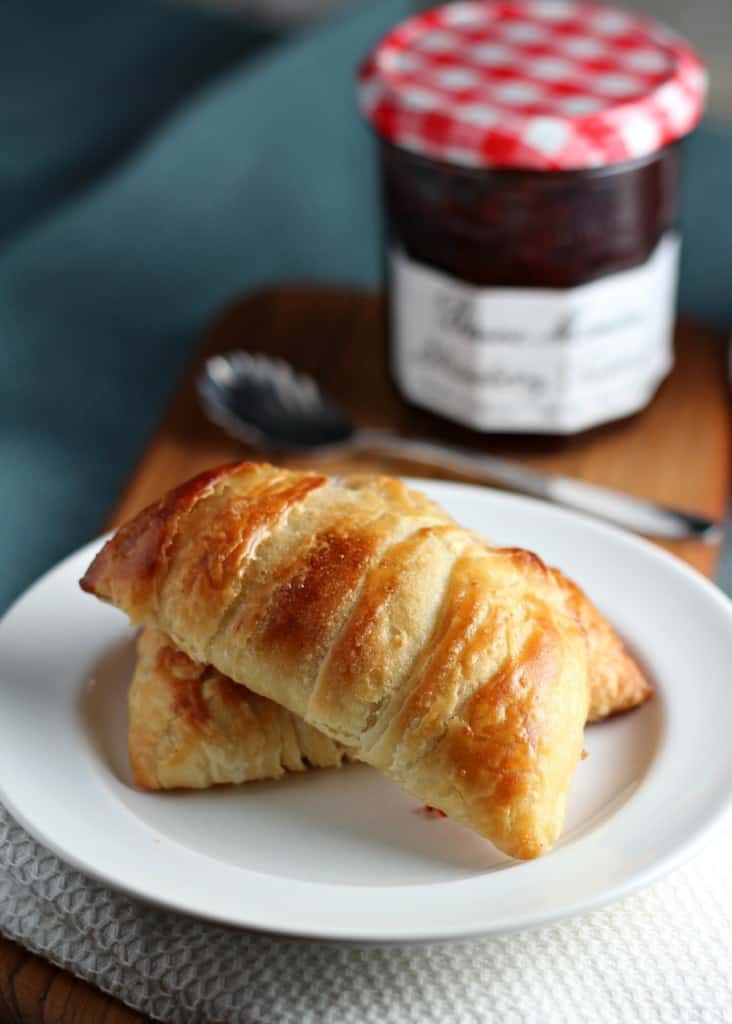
(345, 854)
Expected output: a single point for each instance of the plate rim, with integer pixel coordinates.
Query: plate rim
(674, 857)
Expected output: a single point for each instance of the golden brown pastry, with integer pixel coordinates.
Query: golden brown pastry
(361, 608)
(191, 727)
(616, 682)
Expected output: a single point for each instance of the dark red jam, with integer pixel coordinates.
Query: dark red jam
(529, 229)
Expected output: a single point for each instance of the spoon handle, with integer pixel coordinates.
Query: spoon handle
(633, 513)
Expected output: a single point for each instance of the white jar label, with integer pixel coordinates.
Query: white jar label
(534, 359)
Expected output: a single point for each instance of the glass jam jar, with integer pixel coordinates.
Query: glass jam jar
(530, 168)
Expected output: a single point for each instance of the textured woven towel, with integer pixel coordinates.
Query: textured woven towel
(663, 956)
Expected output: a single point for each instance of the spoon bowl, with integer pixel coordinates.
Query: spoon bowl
(263, 401)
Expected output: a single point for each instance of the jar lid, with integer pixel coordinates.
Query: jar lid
(537, 84)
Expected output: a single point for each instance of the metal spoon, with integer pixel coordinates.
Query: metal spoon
(265, 403)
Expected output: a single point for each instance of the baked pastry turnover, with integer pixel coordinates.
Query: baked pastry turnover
(460, 670)
(190, 727)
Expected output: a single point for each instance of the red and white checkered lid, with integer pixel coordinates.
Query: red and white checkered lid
(539, 84)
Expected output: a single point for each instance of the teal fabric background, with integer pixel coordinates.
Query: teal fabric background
(155, 161)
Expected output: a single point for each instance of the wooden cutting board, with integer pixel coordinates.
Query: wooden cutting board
(677, 451)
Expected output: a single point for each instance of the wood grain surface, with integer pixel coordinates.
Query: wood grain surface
(33, 991)
(677, 451)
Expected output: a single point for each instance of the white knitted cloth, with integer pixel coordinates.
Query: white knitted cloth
(664, 955)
